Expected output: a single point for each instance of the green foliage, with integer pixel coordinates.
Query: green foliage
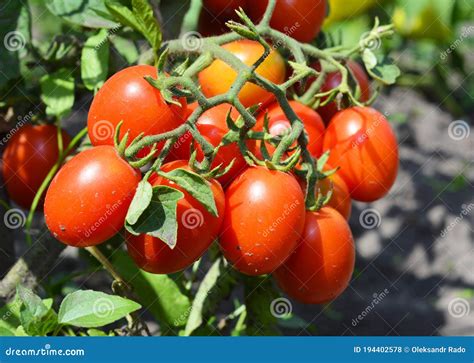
(95, 60)
(57, 92)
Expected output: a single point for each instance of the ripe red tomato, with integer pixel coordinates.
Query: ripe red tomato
(263, 221)
(341, 198)
(88, 199)
(215, 13)
(364, 145)
(278, 123)
(197, 229)
(219, 77)
(212, 125)
(299, 19)
(321, 267)
(128, 97)
(334, 79)
(29, 156)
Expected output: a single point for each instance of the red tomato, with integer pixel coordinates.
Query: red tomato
(88, 199)
(364, 145)
(263, 220)
(29, 156)
(219, 77)
(215, 13)
(321, 267)
(128, 97)
(212, 125)
(334, 79)
(197, 229)
(278, 123)
(341, 198)
(299, 19)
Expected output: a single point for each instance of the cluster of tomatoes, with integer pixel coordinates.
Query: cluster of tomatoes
(262, 224)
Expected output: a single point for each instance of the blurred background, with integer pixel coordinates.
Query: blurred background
(415, 247)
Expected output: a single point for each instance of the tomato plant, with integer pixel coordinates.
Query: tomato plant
(28, 158)
(88, 198)
(363, 144)
(197, 229)
(261, 224)
(321, 267)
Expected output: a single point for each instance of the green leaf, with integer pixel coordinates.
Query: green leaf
(385, 72)
(148, 23)
(195, 185)
(140, 202)
(369, 58)
(95, 60)
(57, 92)
(159, 294)
(37, 316)
(32, 302)
(10, 314)
(123, 14)
(159, 218)
(126, 48)
(4, 332)
(87, 13)
(216, 284)
(91, 309)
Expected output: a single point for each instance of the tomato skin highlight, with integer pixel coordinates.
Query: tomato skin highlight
(278, 122)
(27, 159)
(197, 229)
(301, 19)
(88, 199)
(128, 97)
(262, 224)
(219, 77)
(362, 142)
(321, 267)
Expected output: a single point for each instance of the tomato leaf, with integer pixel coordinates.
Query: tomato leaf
(95, 60)
(195, 185)
(123, 14)
(88, 13)
(148, 23)
(57, 92)
(159, 294)
(36, 316)
(140, 202)
(126, 48)
(91, 309)
(217, 284)
(385, 71)
(159, 218)
(369, 58)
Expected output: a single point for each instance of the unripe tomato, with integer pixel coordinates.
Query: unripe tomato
(333, 80)
(363, 144)
(197, 229)
(299, 19)
(344, 9)
(212, 125)
(263, 221)
(128, 97)
(278, 123)
(29, 156)
(219, 77)
(321, 267)
(88, 199)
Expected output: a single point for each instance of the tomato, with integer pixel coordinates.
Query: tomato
(215, 13)
(340, 198)
(333, 80)
(128, 97)
(300, 19)
(344, 9)
(212, 125)
(197, 229)
(219, 77)
(88, 199)
(278, 123)
(263, 220)
(364, 145)
(28, 157)
(321, 267)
